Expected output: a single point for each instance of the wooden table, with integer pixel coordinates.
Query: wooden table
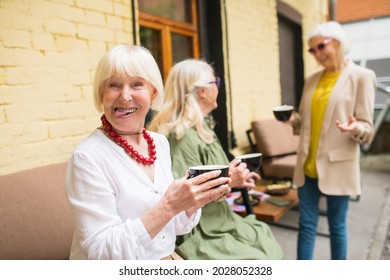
(268, 212)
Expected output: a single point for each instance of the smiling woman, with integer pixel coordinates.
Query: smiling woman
(335, 116)
(125, 201)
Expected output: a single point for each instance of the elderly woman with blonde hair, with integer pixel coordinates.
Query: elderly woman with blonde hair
(335, 116)
(190, 96)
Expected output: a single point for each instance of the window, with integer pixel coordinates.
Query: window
(168, 28)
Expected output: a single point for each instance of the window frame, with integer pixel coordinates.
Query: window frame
(167, 26)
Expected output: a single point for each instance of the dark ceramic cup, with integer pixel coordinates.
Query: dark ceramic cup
(200, 169)
(283, 113)
(253, 161)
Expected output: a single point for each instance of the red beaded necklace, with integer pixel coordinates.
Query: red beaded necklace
(128, 148)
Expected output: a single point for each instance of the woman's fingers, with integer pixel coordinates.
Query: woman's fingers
(212, 194)
(196, 192)
(235, 162)
(350, 125)
(208, 178)
(254, 175)
(351, 119)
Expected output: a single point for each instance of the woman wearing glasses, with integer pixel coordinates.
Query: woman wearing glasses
(335, 116)
(190, 96)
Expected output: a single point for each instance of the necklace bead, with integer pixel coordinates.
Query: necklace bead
(111, 133)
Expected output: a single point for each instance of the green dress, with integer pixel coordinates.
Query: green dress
(221, 234)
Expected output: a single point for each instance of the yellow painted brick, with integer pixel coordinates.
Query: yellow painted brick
(43, 42)
(66, 128)
(56, 10)
(5, 18)
(95, 18)
(60, 26)
(123, 10)
(2, 115)
(52, 92)
(123, 38)
(79, 77)
(86, 92)
(16, 38)
(18, 94)
(95, 33)
(22, 6)
(16, 134)
(17, 113)
(128, 25)
(73, 14)
(114, 22)
(19, 21)
(70, 94)
(92, 122)
(70, 44)
(7, 56)
(67, 61)
(20, 76)
(97, 46)
(65, 2)
(69, 110)
(35, 154)
(104, 6)
(14, 57)
(35, 75)
(2, 77)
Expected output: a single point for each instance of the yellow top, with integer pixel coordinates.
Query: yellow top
(318, 107)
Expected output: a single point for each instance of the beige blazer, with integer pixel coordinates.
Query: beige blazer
(338, 153)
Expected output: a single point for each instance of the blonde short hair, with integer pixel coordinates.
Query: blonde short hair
(133, 61)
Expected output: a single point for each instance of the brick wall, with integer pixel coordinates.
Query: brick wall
(49, 50)
(352, 10)
(252, 54)
(48, 53)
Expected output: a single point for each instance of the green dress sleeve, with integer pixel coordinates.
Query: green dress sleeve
(191, 150)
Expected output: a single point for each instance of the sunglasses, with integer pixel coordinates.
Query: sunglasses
(320, 47)
(217, 82)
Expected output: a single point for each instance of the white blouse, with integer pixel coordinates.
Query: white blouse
(108, 193)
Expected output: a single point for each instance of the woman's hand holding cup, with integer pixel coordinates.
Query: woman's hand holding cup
(191, 193)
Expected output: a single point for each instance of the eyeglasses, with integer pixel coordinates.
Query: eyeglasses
(217, 82)
(320, 47)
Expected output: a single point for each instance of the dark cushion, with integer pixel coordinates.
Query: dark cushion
(279, 168)
(274, 137)
(35, 216)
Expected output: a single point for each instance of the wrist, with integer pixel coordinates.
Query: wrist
(165, 208)
(359, 131)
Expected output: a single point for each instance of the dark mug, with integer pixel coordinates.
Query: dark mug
(200, 169)
(253, 161)
(283, 113)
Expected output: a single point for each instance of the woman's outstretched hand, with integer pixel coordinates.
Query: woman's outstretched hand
(350, 126)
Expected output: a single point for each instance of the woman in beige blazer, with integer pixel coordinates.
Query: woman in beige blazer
(335, 116)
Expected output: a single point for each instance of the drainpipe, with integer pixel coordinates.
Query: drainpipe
(134, 22)
(231, 137)
(332, 9)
